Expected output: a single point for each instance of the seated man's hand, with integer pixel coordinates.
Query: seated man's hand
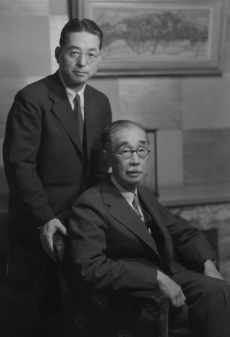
(46, 235)
(211, 271)
(171, 289)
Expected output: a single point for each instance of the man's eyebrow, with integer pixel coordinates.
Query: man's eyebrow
(72, 46)
(75, 47)
(122, 144)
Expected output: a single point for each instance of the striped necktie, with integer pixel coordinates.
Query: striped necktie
(78, 116)
(136, 205)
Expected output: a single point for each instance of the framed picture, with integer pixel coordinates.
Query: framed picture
(158, 38)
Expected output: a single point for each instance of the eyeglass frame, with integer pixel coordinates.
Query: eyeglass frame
(131, 153)
(81, 53)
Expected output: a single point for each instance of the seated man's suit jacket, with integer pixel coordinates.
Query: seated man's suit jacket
(45, 165)
(112, 248)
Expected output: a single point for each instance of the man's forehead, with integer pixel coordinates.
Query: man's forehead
(83, 36)
(130, 135)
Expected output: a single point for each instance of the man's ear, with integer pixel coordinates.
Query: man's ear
(57, 53)
(100, 58)
(106, 156)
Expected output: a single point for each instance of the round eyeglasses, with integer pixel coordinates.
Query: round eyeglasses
(74, 55)
(126, 153)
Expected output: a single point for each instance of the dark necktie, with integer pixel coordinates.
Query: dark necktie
(78, 116)
(136, 205)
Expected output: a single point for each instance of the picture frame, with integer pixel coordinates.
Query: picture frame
(158, 38)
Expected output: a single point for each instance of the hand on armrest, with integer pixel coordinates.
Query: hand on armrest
(171, 289)
(46, 235)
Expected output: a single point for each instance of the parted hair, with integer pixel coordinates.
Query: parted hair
(77, 25)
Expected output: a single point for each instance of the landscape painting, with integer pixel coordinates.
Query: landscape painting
(169, 35)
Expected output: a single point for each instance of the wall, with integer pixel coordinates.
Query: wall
(192, 113)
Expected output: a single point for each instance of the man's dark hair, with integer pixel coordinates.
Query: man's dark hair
(84, 25)
(110, 130)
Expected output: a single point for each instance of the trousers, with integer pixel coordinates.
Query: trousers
(32, 298)
(208, 303)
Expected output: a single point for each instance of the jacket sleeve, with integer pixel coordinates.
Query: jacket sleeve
(20, 148)
(189, 242)
(89, 232)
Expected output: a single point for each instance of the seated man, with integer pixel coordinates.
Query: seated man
(119, 243)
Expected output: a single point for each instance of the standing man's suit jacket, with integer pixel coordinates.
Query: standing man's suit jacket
(113, 250)
(43, 157)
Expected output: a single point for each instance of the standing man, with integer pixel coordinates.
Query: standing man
(122, 239)
(52, 147)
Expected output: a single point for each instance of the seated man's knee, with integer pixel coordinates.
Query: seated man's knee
(217, 290)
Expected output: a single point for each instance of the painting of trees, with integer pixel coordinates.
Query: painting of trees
(161, 33)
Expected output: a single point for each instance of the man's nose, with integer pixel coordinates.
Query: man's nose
(135, 160)
(81, 60)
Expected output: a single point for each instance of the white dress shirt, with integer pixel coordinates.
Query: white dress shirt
(71, 95)
(127, 195)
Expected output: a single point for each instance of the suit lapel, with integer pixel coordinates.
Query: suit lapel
(123, 212)
(150, 205)
(62, 109)
(91, 112)
(166, 249)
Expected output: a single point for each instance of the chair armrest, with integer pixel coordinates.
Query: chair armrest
(60, 242)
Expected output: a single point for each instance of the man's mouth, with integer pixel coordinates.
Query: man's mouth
(78, 72)
(134, 172)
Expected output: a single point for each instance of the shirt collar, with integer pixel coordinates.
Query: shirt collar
(126, 194)
(71, 93)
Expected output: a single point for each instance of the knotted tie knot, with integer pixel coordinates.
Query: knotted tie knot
(77, 99)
